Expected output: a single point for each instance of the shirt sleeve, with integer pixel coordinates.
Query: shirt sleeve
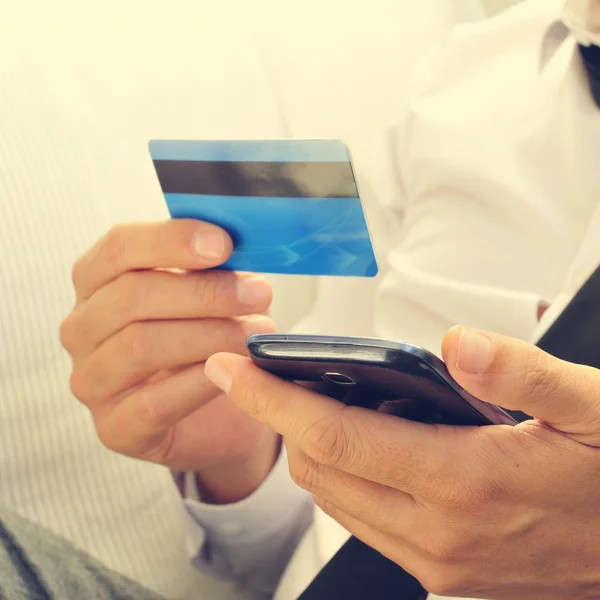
(250, 541)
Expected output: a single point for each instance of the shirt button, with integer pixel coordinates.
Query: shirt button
(231, 528)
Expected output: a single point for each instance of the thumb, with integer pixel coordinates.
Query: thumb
(518, 376)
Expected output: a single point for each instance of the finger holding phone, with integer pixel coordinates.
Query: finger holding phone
(492, 512)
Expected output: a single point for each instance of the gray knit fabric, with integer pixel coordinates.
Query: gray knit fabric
(37, 565)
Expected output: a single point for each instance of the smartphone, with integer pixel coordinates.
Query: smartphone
(395, 378)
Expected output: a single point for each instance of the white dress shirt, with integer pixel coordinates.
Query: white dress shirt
(495, 167)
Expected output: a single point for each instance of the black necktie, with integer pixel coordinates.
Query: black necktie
(591, 60)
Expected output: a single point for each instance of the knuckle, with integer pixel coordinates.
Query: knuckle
(141, 433)
(473, 497)
(257, 403)
(114, 244)
(329, 441)
(79, 386)
(151, 413)
(448, 547)
(441, 582)
(445, 549)
(303, 473)
(325, 505)
(324, 440)
(129, 293)
(136, 344)
(536, 379)
(109, 438)
(77, 272)
(84, 387)
(68, 333)
(208, 289)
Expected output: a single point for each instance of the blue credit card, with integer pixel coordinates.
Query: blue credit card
(290, 206)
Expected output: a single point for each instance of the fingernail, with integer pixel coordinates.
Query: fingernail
(253, 292)
(218, 374)
(257, 324)
(209, 244)
(474, 351)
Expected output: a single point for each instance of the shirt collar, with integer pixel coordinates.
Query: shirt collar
(565, 18)
(554, 36)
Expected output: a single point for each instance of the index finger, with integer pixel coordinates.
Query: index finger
(172, 244)
(412, 457)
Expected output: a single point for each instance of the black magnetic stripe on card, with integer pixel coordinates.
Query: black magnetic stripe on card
(260, 179)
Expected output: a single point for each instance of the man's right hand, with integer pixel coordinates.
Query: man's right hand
(148, 314)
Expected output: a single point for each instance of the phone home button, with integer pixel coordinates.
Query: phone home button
(338, 379)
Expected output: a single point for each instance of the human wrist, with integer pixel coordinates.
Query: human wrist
(232, 482)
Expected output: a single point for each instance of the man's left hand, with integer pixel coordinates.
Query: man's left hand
(493, 512)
